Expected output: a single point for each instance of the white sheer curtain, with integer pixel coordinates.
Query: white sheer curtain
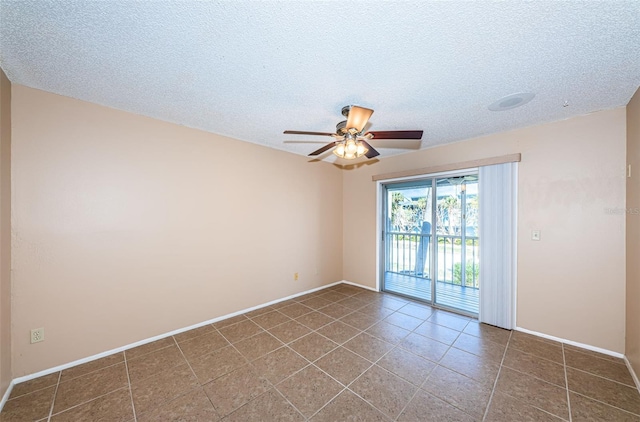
(497, 218)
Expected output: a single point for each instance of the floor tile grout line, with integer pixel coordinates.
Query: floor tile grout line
(194, 374)
(461, 373)
(603, 377)
(366, 358)
(88, 401)
(535, 376)
(325, 372)
(244, 338)
(164, 368)
(35, 391)
(307, 335)
(346, 341)
(449, 346)
(275, 388)
(213, 329)
(322, 355)
(229, 325)
(443, 400)
(327, 403)
(55, 393)
(606, 404)
(222, 418)
(375, 363)
(275, 310)
(142, 355)
(538, 356)
(247, 361)
(438, 364)
(593, 354)
(133, 406)
(310, 362)
(186, 360)
(175, 366)
(346, 385)
(566, 382)
(397, 345)
(566, 386)
(370, 404)
(415, 393)
(495, 383)
(421, 388)
(90, 372)
(502, 365)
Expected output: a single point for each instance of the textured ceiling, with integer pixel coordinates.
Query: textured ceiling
(251, 69)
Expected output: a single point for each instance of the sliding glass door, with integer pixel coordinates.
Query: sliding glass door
(430, 241)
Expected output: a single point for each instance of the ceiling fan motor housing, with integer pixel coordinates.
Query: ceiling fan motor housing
(341, 128)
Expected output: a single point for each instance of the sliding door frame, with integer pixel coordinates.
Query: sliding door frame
(381, 204)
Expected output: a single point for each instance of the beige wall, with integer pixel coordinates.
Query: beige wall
(130, 227)
(5, 232)
(633, 233)
(127, 227)
(571, 284)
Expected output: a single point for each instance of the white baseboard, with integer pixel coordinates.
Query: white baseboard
(633, 373)
(159, 337)
(360, 285)
(573, 343)
(6, 395)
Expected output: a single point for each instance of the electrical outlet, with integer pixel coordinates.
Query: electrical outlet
(37, 335)
(295, 276)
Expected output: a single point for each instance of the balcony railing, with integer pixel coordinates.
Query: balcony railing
(408, 254)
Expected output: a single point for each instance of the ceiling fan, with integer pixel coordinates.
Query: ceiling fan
(350, 140)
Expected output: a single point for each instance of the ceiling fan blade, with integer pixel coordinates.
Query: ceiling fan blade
(397, 134)
(323, 149)
(358, 117)
(299, 132)
(398, 143)
(322, 141)
(372, 151)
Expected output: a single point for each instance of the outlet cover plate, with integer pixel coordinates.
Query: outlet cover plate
(37, 335)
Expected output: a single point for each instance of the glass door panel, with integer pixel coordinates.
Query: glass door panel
(407, 238)
(457, 262)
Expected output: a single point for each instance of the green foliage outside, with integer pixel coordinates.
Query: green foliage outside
(472, 273)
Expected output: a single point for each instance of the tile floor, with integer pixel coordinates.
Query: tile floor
(339, 354)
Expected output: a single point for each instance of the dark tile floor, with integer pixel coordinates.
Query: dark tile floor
(339, 354)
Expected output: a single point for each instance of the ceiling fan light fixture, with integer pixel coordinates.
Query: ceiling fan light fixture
(350, 149)
(351, 146)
